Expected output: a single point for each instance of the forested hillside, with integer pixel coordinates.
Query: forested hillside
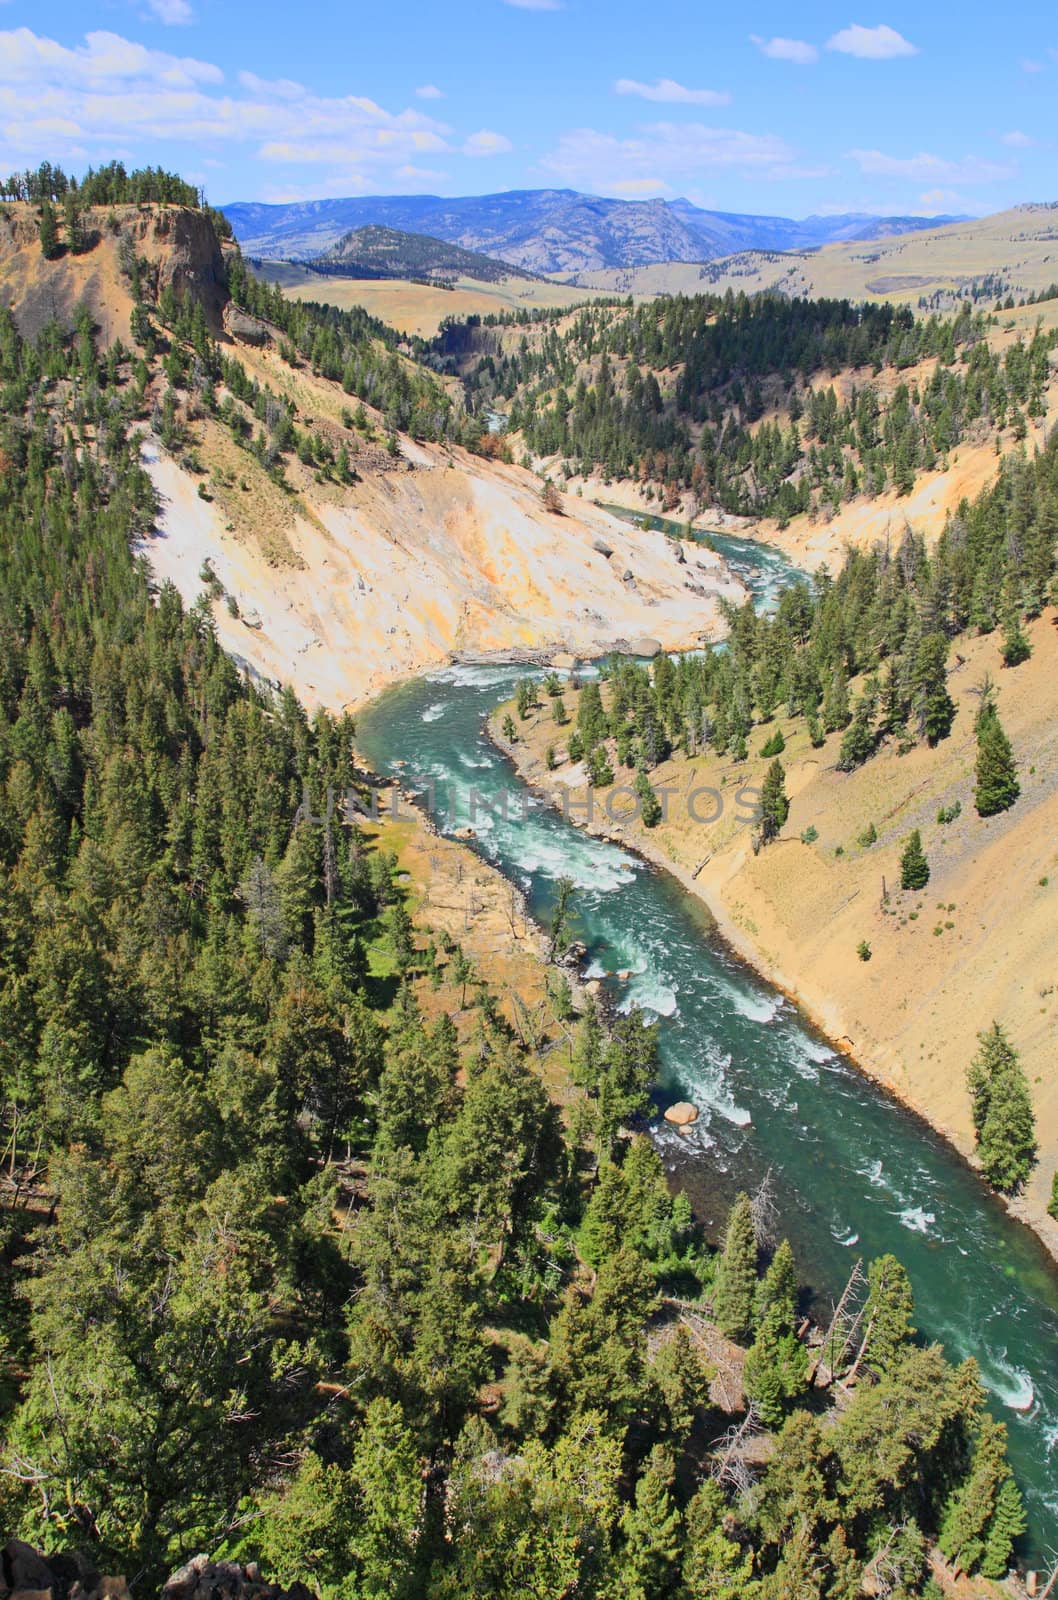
(299, 1260)
(727, 398)
(376, 252)
(887, 618)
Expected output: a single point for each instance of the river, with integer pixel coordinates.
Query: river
(855, 1174)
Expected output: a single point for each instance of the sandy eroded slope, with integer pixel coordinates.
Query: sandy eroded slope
(408, 566)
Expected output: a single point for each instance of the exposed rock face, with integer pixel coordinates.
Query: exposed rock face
(406, 569)
(177, 244)
(203, 1579)
(241, 325)
(181, 246)
(27, 1574)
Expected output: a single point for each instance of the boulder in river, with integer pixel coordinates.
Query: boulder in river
(682, 1114)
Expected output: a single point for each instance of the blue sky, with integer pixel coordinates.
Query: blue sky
(756, 107)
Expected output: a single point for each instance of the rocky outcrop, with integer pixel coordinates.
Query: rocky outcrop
(182, 248)
(203, 1579)
(176, 246)
(241, 325)
(28, 1574)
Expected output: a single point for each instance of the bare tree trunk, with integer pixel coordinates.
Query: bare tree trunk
(843, 1326)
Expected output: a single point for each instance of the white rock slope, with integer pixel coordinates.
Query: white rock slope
(412, 566)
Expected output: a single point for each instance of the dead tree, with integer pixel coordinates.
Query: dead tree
(844, 1326)
(887, 1570)
(1050, 1585)
(765, 1211)
(729, 1466)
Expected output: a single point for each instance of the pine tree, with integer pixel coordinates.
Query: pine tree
(836, 701)
(715, 1567)
(914, 868)
(859, 740)
(49, 231)
(890, 1306)
(653, 1533)
(551, 499)
(778, 1287)
(734, 1287)
(1002, 1111)
(1007, 1145)
(1015, 647)
(681, 1379)
(389, 1522)
(935, 706)
(1008, 1524)
(997, 774)
(402, 933)
(776, 1367)
(650, 808)
(970, 1509)
(995, 1056)
(74, 230)
(774, 806)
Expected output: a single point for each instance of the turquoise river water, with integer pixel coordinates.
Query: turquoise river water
(855, 1173)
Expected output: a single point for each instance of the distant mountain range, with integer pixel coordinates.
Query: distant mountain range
(550, 230)
(377, 252)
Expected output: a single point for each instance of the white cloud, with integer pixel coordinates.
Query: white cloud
(1028, 65)
(282, 88)
(640, 188)
(412, 174)
(668, 92)
(798, 51)
(1016, 140)
(174, 13)
(487, 143)
(941, 200)
(871, 44)
(926, 168)
(799, 171)
(429, 91)
(104, 63)
(663, 153)
(110, 96)
(302, 152)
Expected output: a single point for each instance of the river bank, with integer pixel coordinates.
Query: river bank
(979, 943)
(854, 1174)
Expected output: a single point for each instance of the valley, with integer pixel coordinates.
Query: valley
(1013, 253)
(344, 1231)
(420, 308)
(765, 1081)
